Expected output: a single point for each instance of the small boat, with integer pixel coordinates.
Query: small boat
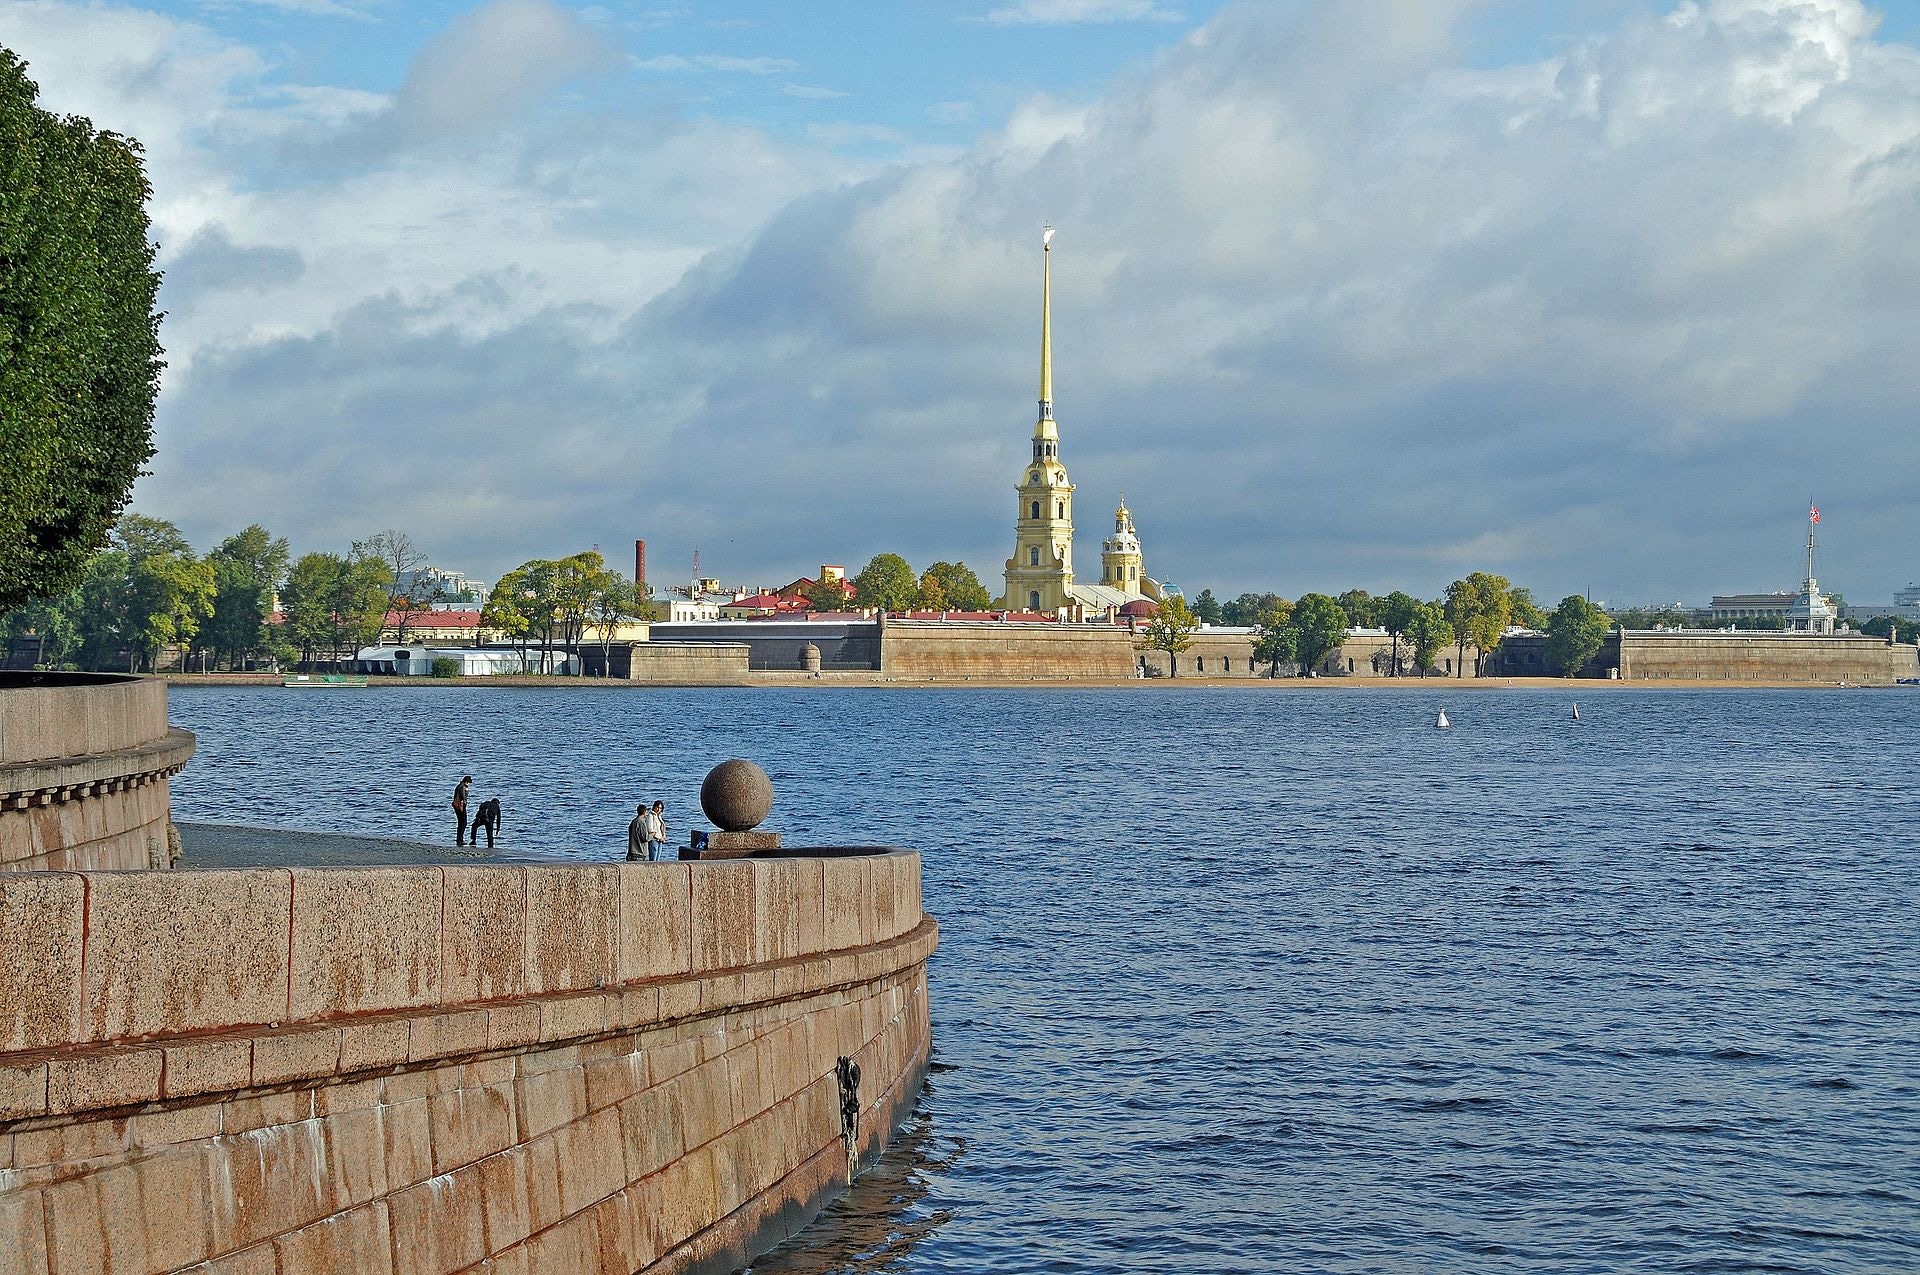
(1576, 712)
(303, 681)
(1441, 722)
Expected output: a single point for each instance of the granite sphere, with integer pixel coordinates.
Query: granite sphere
(736, 795)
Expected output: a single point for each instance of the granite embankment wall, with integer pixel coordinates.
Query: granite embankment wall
(420, 1071)
(1762, 657)
(933, 650)
(689, 664)
(84, 764)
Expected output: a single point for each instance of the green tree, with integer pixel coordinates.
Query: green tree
(1575, 633)
(1207, 609)
(1362, 608)
(826, 595)
(1428, 633)
(611, 602)
(1245, 611)
(411, 589)
(1397, 610)
(1170, 630)
(1322, 625)
(1524, 611)
(51, 625)
(1889, 626)
(79, 338)
(952, 586)
(506, 610)
(1275, 639)
(165, 593)
(247, 567)
(886, 584)
(306, 603)
(1478, 609)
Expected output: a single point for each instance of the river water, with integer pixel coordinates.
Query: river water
(1253, 979)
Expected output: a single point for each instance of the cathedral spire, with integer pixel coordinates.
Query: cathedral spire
(1046, 322)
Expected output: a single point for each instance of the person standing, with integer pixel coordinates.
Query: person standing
(657, 833)
(637, 847)
(460, 792)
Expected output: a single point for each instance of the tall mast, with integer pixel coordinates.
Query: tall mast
(1046, 322)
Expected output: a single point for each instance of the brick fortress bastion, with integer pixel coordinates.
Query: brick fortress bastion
(591, 1068)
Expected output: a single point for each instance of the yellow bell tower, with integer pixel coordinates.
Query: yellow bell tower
(1040, 573)
(1120, 559)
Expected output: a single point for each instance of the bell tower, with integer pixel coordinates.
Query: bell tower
(1120, 562)
(1040, 573)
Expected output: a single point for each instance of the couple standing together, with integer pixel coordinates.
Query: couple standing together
(647, 834)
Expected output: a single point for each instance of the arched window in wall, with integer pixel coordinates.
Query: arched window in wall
(1059, 508)
(1034, 512)
(1033, 600)
(1033, 556)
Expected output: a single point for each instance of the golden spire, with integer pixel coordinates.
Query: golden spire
(1046, 323)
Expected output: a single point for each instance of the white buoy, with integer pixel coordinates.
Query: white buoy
(1441, 722)
(1576, 712)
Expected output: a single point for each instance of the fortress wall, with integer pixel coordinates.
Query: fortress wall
(1765, 657)
(936, 650)
(546, 1069)
(689, 664)
(84, 765)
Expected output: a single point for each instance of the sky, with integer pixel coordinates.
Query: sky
(1596, 294)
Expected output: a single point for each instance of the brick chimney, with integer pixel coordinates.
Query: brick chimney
(639, 562)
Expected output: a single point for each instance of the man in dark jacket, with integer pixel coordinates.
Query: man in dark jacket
(460, 792)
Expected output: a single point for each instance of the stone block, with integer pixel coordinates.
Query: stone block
(207, 1066)
(372, 1046)
(42, 924)
(723, 916)
(441, 1223)
(95, 1223)
(573, 926)
(592, 1161)
(257, 1260)
(23, 1089)
(173, 1206)
(549, 1100)
(848, 916)
(503, 1190)
(243, 1115)
(284, 1056)
(177, 952)
(614, 1079)
(470, 1124)
(406, 1135)
(512, 1025)
(101, 1079)
(776, 909)
(908, 905)
(355, 1147)
(571, 1017)
(270, 1181)
(23, 1222)
(738, 845)
(358, 1240)
(364, 940)
(447, 1035)
(656, 935)
(176, 1125)
(652, 1132)
(483, 936)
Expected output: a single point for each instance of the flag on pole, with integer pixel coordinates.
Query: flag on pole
(1813, 513)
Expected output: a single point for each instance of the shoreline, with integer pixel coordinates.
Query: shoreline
(833, 680)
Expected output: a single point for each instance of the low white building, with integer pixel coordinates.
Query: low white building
(417, 661)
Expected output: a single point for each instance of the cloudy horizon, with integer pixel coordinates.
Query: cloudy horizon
(1596, 296)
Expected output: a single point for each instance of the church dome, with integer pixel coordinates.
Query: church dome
(1140, 609)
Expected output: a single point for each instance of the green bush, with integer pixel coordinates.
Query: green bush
(79, 338)
(446, 666)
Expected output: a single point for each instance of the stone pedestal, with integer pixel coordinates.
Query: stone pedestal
(734, 845)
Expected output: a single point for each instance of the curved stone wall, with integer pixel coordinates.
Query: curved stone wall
(545, 1069)
(84, 764)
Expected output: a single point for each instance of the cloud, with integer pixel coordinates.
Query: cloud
(1071, 12)
(812, 92)
(490, 60)
(1333, 305)
(721, 63)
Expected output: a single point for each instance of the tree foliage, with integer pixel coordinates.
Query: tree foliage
(1362, 608)
(1245, 611)
(1275, 640)
(247, 569)
(886, 584)
(1575, 633)
(1397, 611)
(1428, 633)
(1322, 625)
(1171, 630)
(952, 586)
(1524, 611)
(1207, 609)
(79, 338)
(1478, 609)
